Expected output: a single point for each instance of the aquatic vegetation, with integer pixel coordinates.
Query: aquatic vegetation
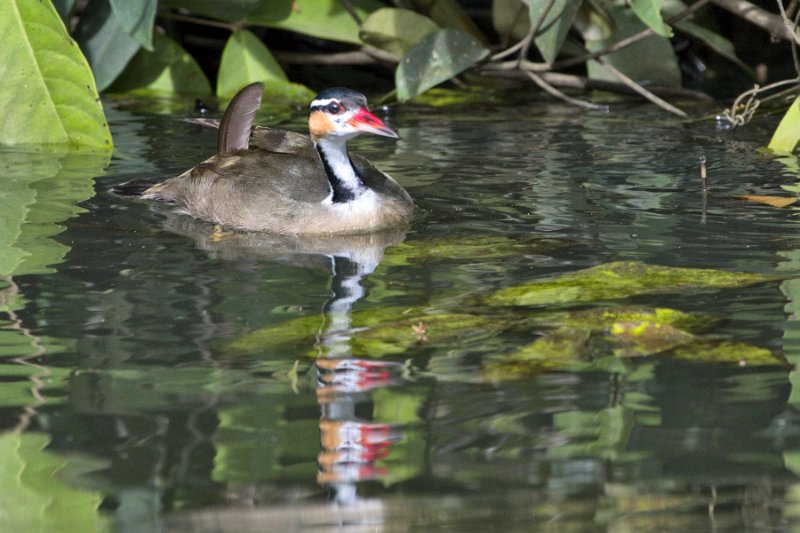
(621, 279)
(373, 332)
(588, 345)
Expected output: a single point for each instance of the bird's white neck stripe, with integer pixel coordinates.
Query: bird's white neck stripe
(345, 183)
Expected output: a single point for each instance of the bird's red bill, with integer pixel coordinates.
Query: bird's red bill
(369, 123)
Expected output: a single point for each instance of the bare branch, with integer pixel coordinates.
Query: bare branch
(633, 39)
(350, 9)
(741, 113)
(365, 56)
(758, 16)
(526, 46)
(571, 81)
(558, 94)
(199, 20)
(642, 91)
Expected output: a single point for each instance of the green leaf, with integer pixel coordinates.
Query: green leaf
(245, 60)
(435, 59)
(326, 19)
(47, 95)
(35, 498)
(556, 24)
(41, 190)
(713, 40)
(236, 10)
(137, 18)
(649, 12)
(621, 279)
(450, 14)
(167, 69)
(279, 95)
(787, 134)
(593, 21)
(106, 44)
(664, 72)
(396, 30)
(510, 20)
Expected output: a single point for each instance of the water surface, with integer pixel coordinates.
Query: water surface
(128, 404)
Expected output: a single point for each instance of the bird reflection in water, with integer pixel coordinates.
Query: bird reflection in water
(352, 447)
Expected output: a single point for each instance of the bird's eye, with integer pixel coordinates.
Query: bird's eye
(334, 108)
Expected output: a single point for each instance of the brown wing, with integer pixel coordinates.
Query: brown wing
(280, 141)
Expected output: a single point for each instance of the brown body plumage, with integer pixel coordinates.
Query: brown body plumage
(279, 183)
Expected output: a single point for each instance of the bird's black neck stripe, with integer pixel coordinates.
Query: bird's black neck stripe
(342, 192)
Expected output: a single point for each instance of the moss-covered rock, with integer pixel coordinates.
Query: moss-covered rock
(620, 279)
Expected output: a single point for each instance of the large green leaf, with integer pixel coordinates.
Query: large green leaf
(435, 59)
(556, 24)
(47, 94)
(262, 11)
(593, 20)
(326, 19)
(787, 134)
(510, 20)
(396, 30)
(449, 14)
(245, 60)
(167, 69)
(664, 72)
(34, 498)
(106, 44)
(40, 190)
(713, 40)
(649, 12)
(137, 18)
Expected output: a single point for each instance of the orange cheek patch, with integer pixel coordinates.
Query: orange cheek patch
(319, 125)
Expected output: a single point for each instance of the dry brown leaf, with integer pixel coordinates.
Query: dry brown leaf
(774, 201)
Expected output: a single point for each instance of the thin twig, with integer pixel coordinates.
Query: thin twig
(571, 81)
(794, 44)
(508, 51)
(198, 20)
(757, 16)
(515, 64)
(526, 46)
(522, 10)
(350, 9)
(365, 56)
(641, 90)
(740, 114)
(558, 94)
(789, 24)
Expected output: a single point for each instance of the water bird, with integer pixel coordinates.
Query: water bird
(271, 180)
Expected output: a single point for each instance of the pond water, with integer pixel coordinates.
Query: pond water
(160, 376)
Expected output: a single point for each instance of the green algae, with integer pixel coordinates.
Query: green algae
(621, 279)
(373, 332)
(593, 339)
(464, 248)
(726, 351)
